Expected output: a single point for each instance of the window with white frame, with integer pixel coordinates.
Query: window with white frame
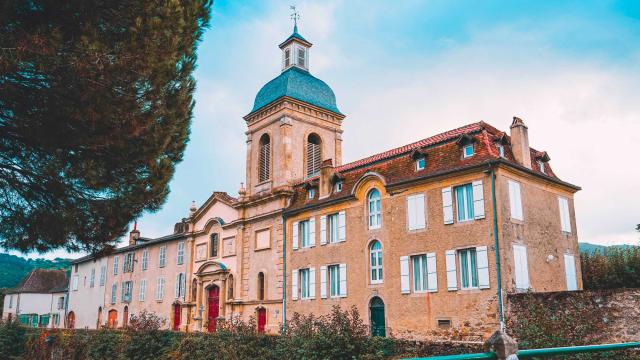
(287, 57)
(467, 151)
(464, 202)
(541, 166)
(374, 208)
(159, 288)
(416, 218)
(163, 256)
(521, 267)
(302, 55)
(421, 163)
(334, 227)
(143, 289)
(305, 233)
(337, 187)
(180, 255)
(305, 284)
(127, 289)
(180, 286)
(565, 219)
(74, 284)
(60, 302)
(103, 274)
(570, 272)
(419, 265)
(500, 150)
(375, 262)
(145, 259)
(515, 200)
(127, 265)
(116, 264)
(92, 278)
(311, 193)
(114, 292)
(468, 268)
(334, 280)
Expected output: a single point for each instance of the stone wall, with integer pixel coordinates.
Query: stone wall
(581, 317)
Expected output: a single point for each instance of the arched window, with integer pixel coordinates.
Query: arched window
(375, 217)
(375, 252)
(260, 286)
(264, 162)
(314, 156)
(214, 245)
(230, 287)
(125, 317)
(194, 290)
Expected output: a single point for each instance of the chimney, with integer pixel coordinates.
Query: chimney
(520, 142)
(134, 235)
(326, 171)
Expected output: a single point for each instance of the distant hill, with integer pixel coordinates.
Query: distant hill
(593, 248)
(14, 268)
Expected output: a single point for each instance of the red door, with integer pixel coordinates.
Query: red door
(262, 319)
(112, 321)
(214, 308)
(176, 317)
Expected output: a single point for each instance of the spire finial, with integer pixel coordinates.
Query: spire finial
(295, 16)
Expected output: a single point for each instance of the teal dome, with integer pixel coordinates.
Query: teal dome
(300, 85)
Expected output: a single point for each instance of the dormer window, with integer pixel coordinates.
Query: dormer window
(420, 163)
(500, 150)
(467, 151)
(311, 193)
(541, 166)
(337, 187)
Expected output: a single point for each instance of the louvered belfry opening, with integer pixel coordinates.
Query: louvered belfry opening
(314, 157)
(264, 162)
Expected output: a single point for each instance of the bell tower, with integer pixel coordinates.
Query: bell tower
(294, 124)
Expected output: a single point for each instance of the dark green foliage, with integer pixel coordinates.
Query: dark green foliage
(12, 339)
(14, 268)
(615, 268)
(95, 110)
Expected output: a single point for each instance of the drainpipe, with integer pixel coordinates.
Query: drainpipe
(497, 246)
(284, 270)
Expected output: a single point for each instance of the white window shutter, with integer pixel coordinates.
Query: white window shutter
(432, 273)
(323, 282)
(565, 220)
(478, 200)
(295, 235)
(411, 215)
(404, 275)
(521, 267)
(447, 205)
(312, 231)
(515, 200)
(452, 277)
(294, 285)
(483, 267)
(177, 286)
(342, 225)
(312, 283)
(570, 271)
(323, 230)
(420, 219)
(343, 280)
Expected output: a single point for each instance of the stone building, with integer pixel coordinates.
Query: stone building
(411, 236)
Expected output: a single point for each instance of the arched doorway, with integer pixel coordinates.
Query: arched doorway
(99, 321)
(214, 307)
(176, 317)
(71, 320)
(262, 319)
(112, 319)
(125, 317)
(376, 310)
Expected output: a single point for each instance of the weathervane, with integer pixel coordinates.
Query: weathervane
(295, 17)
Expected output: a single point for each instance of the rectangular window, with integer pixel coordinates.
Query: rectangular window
(127, 265)
(127, 288)
(311, 193)
(416, 212)
(305, 234)
(419, 264)
(163, 256)
(103, 274)
(10, 301)
(301, 57)
(464, 202)
(214, 245)
(334, 228)
(521, 267)
(92, 278)
(263, 239)
(287, 57)
(180, 255)
(159, 288)
(468, 151)
(74, 285)
(180, 286)
(305, 286)
(468, 268)
(541, 165)
(565, 219)
(145, 259)
(570, 271)
(116, 264)
(420, 163)
(60, 302)
(515, 200)
(143, 289)
(114, 290)
(338, 187)
(334, 280)
(500, 150)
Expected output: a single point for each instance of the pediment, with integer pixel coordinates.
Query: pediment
(211, 267)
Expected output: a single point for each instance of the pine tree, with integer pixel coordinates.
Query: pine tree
(95, 111)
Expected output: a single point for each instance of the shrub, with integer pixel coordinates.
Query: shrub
(615, 268)
(12, 339)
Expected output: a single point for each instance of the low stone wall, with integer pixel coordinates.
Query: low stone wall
(581, 317)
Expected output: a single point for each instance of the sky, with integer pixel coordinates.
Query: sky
(403, 71)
